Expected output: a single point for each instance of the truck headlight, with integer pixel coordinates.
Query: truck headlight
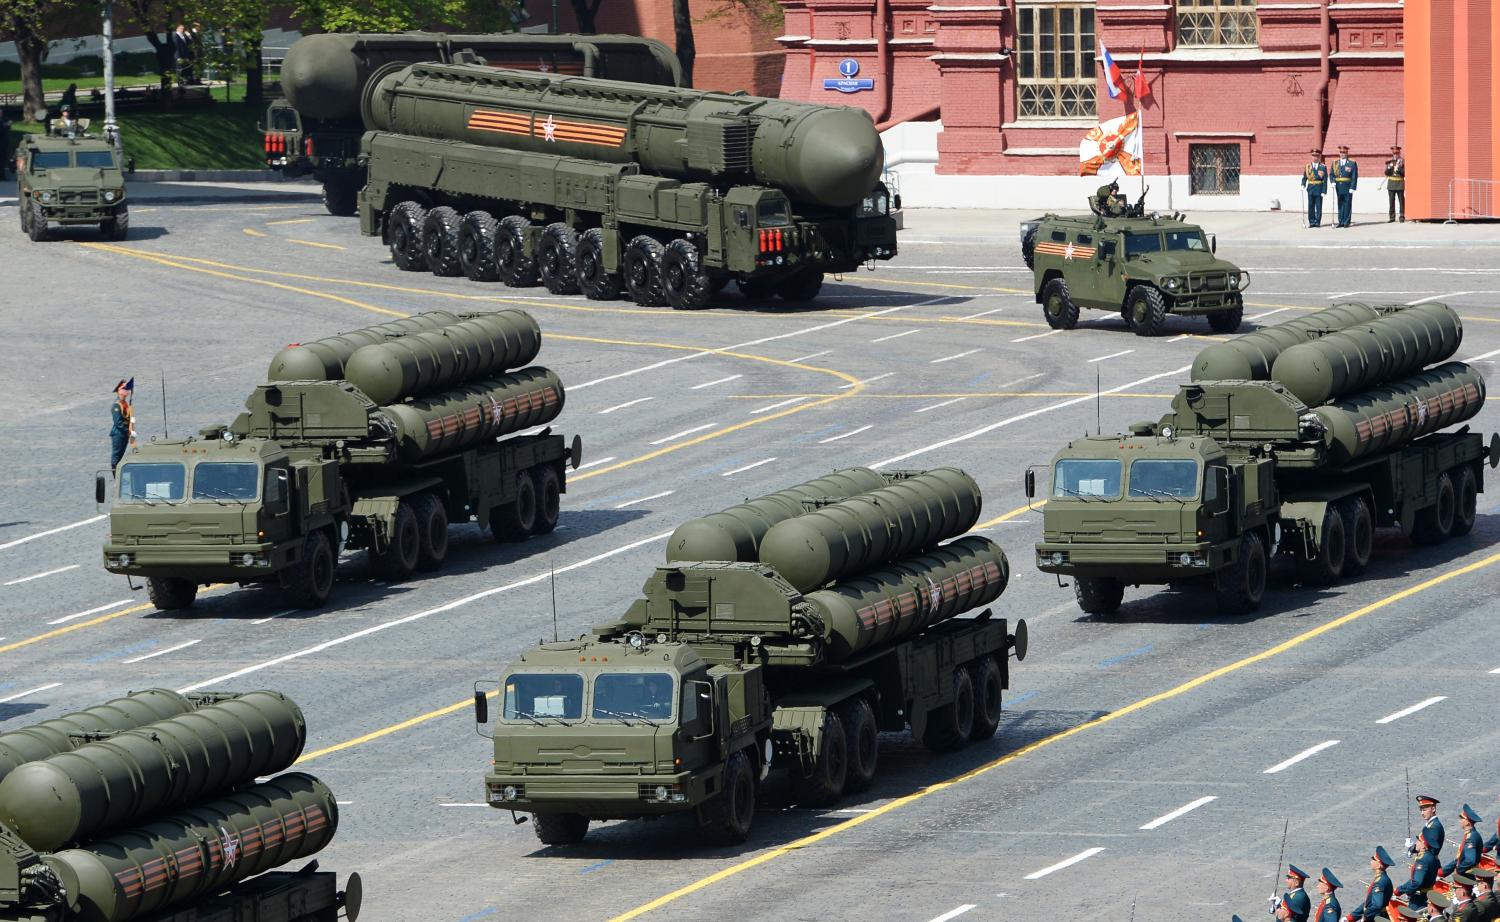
(109, 195)
(1185, 559)
(46, 196)
(124, 560)
(1057, 558)
(1174, 283)
(511, 792)
(662, 793)
(247, 560)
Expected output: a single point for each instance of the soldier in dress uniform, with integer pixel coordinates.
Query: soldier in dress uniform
(1470, 845)
(1328, 907)
(1485, 899)
(122, 422)
(1462, 908)
(1378, 894)
(1315, 181)
(1432, 827)
(1395, 184)
(1295, 899)
(1345, 181)
(1424, 872)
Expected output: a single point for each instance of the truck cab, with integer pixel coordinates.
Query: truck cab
(70, 181)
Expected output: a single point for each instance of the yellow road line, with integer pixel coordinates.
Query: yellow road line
(1035, 505)
(92, 622)
(312, 243)
(252, 232)
(1129, 709)
(291, 221)
(387, 731)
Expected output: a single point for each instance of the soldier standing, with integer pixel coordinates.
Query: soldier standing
(1432, 827)
(122, 422)
(1295, 899)
(1378, 894)
(1315, 181)
(1345, 181)
(1328, 907)
(1395, 184)
(1424, 872)
(1471, 846)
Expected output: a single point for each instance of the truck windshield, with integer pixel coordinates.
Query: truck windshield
(1187, 240)
(149, 482)
(49, 160)
(237, 480)
(1085, 478)
(633, 694)
(284, 118)
(529, 696)
(1164, 477)
(1136, 244)
(773, 213)
(96, 159)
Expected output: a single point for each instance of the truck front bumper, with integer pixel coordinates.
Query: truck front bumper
(1134, 564)
(79, 214)
(230, 563)
(612, 796)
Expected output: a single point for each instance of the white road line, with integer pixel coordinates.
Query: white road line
(463, 805)
(813, 355)
(1268, 313)
(949, 358)
(677, 435)
(1178, 339)
(845, 387)
(1407, 712)
(408, 619)
(19, 695)
(27, 579)
(621, 406)
(1495, 672)
(280, 614)
(1112, 355)
(1480, 358)
(1451, 294)
(91, 611)
(1342, 294)
(953, 913)
(748, 467)
(1027, 339)
(643, 499)
(1018, 381)
(777, 406)
(985, 430)
(1081, 856)
(934, 406)
(51, 531)
(1306, 753)
(835, 438)
(1185, 808)
(699, 387)
(894, 336)
(983, 314)
(596, 463)
(139, 659)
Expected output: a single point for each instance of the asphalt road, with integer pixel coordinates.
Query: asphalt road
(1114, 725)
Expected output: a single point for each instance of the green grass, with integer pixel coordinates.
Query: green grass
(58, 84)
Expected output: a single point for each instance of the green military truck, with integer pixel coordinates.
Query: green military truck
(68, 181)
(603, 186)
(784, 633)
(316, 128)
(1297, 440)
(160, 807)
(1145, 266)
(376, 439)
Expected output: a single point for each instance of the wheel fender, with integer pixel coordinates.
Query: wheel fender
(1304, 520)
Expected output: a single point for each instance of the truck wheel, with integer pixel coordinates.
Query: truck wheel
(476, 246)
(804, 286)
(404, 233)
(560, 828)
(516, 521)
(1242, 586)
(1226, 321)
(310, 582)
(862, 742)
(1028, 248)
(830, 767)
(988, 691)
(117, 227)
(726, 818)
(36, 228)
(440, 241)
(557, 259)
(949, 726)
(1359, 533)
(1467, 505)
(1058, 307)
(548, 500)
(512, 265)
(596, 283)
(1436, 521)
(1099, 595)
(170, 593)
(1328, 564)
(399, 560)
(25, 212)
(756, 289)
(432, 531)
(684, 284)
(1148, 310)
(642, 271)
(340, 196)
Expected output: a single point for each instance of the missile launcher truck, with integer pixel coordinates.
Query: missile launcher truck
(376, 439)
(785, 632)
(604, 186)
(1300, 439)
(147, 808)
(316, 129)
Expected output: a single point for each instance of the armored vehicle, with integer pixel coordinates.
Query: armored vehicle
(783, 633)
(160, 807)
(1145, 266)
(604, 187)
(1300, 439)
(316, 129)
(376, 439)
(70, 181)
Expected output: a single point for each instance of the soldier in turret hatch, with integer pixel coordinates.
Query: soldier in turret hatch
(1109, 202)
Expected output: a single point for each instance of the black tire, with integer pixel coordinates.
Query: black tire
(726, 818)
(861, 742)
(557, 259)
(310, 582)
(1466, 507)
(684, 284)
(432, 531)
(830, 771)
(1148, 310)
(949, 727)
(403, 232)
(476, 246)
(1028, 248)
(171, 593)
(804, 286)
(36, 227)
(1099, 595)
(1435, 523)
(1359, 534)
(517, 520)
(340, 196)
(756, 289)
(596, 283)
(548, 500)
(642, 271)
(989, 691)
(23, 209)
(1057, 306)
(560, 828)
(440, 241)
(399, 560)
(1328, 564)
(1226, 321)
(512, 265)
(1242, 586)
(117, 227)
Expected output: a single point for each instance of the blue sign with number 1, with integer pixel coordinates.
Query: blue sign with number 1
(849, 82)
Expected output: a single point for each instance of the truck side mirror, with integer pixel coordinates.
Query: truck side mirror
(481, 708)
(99, 489)
(897, 201)
(1213, 243)
(1030, 483)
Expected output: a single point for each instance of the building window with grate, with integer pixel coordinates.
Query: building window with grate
(1216, 22)
(1215, 169)
(1055, 61)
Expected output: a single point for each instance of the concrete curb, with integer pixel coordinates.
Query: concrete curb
(204, 176)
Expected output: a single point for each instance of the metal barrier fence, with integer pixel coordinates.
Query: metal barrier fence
(1472, 198)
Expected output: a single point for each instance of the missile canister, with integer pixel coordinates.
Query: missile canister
(735, 534)
(483, 409)
(1250, 357)
(909, 596)
(324, 359)
(869, 530)
(1368, 354)
(107, 784)
(68, 732)
(476, 347)
(1393, 414)
(198, 851)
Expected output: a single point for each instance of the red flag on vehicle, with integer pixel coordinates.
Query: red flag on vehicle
(1142, 88)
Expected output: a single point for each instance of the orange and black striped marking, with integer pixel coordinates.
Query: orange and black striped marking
(1066, 250)
(548, 129)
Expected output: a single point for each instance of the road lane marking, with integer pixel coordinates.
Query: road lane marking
(252, 232)
(595, 463)
(16, 645)
(858, 383)
(949, 358)
(1112, 355)
(642, 499)
(291, 221)
(92, 611)
(777, 406)
(1268, 313)
(1304, 754)
(1002, 519)
(1480, 358)
(621, 406)
(953, 913)
(1407, 712)
(699, 387)
(139, 659)
(1175, 339)
(835, 438)
(882, 339)
(27, 579)
(1185, 808)
(19, 695)
(1027, 339)
(934, 406)
(683, 434)
(463, 804)
(981, 314)
(1018, 381)
(51, 531)
(1068, 863)
(748, 467)
(280, 614)
(803, 358)
(1117, 660)
(1451, 294)
(314, 243)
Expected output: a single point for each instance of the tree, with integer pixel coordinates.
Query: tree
(585, 11)
(25, 21)
(398, 15)
(682, 27)
(162, 16)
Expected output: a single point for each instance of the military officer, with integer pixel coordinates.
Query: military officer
(1345, 181)
(1424, 873)
(1470, 846)
(1328, 907)
(1395, 184)
(1432, 827)
(1378, 894)
(1298, 904)
(122, 422)
(1462, 895)
(1315, 181)
(1484, 894)
(1108, 201)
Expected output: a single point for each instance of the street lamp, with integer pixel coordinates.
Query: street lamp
(111, 127)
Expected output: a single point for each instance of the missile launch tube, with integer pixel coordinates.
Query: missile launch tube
(871, 529)
(323, 359)
(909, 596)
(200, 851)
(68, 732)
(735, 534)
(1360, 357)
(104, 785)
(1250, 357)
(432, 360)
(1389, 416)
(484, 409)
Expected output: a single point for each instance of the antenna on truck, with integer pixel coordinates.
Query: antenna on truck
(1098, 404)
(554, 602)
